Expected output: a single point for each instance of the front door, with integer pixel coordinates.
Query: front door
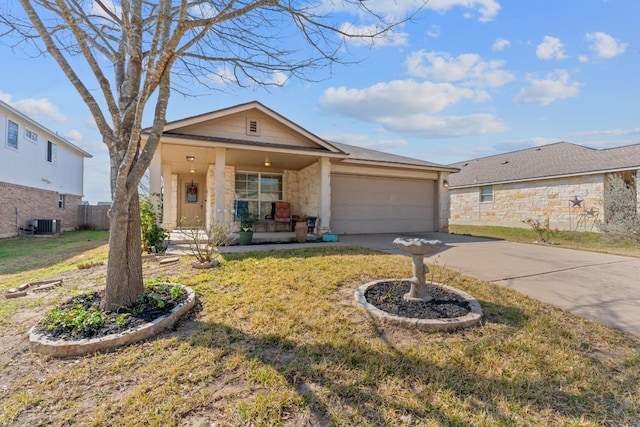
(192, 193)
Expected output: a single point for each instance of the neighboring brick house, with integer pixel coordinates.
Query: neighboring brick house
(41, 174)
(563, 182)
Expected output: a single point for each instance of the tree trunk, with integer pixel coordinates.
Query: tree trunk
(124, 266)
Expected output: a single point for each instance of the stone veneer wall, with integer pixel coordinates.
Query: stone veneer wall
(291, 191)
(309, 185)
(517, 202)
(34, 203)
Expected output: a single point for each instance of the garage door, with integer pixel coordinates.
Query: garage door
(364, 204)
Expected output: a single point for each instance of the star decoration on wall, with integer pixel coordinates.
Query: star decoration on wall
(576, 201)
(591, 212)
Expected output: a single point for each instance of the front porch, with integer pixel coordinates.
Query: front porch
(178, 238)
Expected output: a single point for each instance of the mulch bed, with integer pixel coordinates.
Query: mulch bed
(388, 297)
(143, 312)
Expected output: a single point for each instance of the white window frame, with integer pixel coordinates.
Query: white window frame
(61, 201)
(486, 196)
(259, 201)
(13, 132)
(52, 153)
(30, 135)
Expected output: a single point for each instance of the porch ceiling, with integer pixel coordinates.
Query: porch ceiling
(176, 155)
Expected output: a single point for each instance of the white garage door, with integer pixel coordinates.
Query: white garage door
(364, 204)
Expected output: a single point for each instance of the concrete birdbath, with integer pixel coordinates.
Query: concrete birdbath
(417, 249)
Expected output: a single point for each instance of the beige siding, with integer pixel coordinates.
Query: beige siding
(516, 202)
(235, 127)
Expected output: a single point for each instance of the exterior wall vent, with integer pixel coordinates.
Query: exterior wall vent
(253, 127)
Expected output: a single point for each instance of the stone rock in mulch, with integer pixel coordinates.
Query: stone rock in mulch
(168, 260)
(37, 287)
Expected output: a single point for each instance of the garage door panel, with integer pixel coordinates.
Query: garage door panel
(364, 204)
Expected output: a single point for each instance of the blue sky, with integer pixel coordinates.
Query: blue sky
(465, 79)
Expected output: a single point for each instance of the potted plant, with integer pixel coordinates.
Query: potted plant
(247, 221)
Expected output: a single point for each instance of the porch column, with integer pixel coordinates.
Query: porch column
(325, 196)
(441, 220)
(169, 201)
(155, 184)
(220, 209)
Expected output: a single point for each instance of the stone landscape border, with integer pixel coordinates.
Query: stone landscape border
(39, 343)
(430, 325)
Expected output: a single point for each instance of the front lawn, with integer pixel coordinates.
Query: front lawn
(582, 240)
(278, 340)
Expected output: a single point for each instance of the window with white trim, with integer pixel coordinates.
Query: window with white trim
(52, 153)
(61, 201)
(486, 193)
(12, 134)
(30, 135)
(260, 190)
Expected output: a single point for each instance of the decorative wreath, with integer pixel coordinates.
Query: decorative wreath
(192, 189)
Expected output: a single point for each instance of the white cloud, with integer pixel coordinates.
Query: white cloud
(5, 97)
(551, 48)
(109, 7)
(610, 132)
(487, 9)
(605, 46)
(222, 76)
(406, 106)
(366, 35)
(39, 109)
(364, 140)
(398, 97)
(555, 86)
(500, 44)
(446, 126)
(468, 67)
(277, 78)
(73, 135)
(434, 31)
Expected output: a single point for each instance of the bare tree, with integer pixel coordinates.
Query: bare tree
(139, 51)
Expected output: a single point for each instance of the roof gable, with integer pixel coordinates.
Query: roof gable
(40, 128)
(543, 162)
(250, 122)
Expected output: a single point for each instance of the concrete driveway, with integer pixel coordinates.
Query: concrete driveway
(592, 285)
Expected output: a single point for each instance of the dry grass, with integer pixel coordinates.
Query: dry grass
(277, 340)
(586, 241)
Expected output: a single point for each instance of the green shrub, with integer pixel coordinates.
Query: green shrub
(153, 236)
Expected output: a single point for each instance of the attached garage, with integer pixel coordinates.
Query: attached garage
(370, 204)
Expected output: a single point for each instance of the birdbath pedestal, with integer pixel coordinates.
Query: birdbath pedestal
(417, 249)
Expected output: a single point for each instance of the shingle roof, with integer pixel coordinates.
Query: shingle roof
(365, 154)
(559, 159)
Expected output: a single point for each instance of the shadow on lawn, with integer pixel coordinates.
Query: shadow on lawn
(384, 384)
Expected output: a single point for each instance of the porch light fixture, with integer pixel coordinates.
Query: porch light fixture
(192, 170)
(190, 158)
(445, 184)
(267, 163)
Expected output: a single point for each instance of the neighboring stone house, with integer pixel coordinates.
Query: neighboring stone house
(562, 182)
(41, 175)
(206, 165)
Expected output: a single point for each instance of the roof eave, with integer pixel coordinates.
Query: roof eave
(544, 178)
(400, 165)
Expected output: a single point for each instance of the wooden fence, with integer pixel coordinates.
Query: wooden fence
(93, 217)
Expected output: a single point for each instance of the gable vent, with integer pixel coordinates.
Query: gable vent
(253, 127)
